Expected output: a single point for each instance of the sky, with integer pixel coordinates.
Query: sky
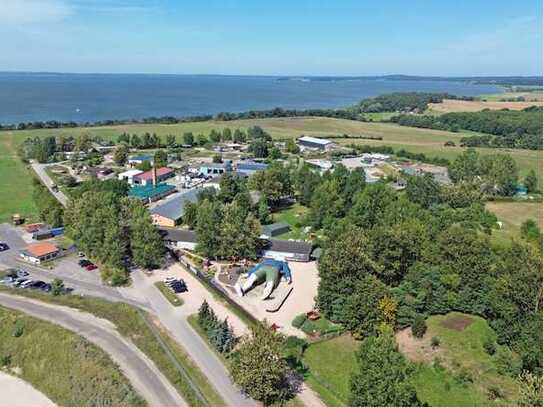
(252, 37)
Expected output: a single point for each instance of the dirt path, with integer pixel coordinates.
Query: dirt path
(141, 372)
(18, 393)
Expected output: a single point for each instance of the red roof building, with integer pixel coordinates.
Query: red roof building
(146, 178)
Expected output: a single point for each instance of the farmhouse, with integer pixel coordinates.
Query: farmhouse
(178, 239)
(315, 144)
(129, 175)
(153, 176)
(139, 159)
(170, 213)
(38, 253)
(287, 250)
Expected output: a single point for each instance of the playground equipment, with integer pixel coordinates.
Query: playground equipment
(269, 271)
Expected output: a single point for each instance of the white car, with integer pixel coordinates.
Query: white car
(26, 284)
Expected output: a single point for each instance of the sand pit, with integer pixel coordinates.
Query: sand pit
(18, 393)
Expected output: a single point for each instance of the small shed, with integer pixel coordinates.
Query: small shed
(275, 229)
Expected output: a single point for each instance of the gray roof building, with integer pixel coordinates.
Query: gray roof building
(275, 229)
(178, 235)
(175, 208)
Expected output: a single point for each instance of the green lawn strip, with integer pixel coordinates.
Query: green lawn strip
(64, 366)
(294, 216)
(169, 294)
(130, 324)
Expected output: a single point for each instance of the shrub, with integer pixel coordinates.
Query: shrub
(435, 342)
(298, 321)
(463, 377)
(438, 365)
(507, 362)
(19, 329)
(5, 360)
(418, 328)
(495, 393)
(489, 346)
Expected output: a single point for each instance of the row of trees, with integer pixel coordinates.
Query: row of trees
(109, 227)
(49, 209)
(219, 333)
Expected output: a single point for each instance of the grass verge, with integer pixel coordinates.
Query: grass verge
(83, 374)
(131, 325)
(169, 294)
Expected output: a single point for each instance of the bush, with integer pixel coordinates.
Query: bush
(298, 321)
(19, 329)
(435, 342)
(495, 393)
(489, 346)
(463, 377)
(418, 328)
(5, 360)
(507, 362)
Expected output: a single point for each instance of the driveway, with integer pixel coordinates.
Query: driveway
(39, 169)
(18, 393)
(141, 372)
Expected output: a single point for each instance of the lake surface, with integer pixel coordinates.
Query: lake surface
(26, 97)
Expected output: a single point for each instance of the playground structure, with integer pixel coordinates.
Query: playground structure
(269, 271)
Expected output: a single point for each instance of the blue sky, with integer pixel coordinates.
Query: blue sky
(295, 37)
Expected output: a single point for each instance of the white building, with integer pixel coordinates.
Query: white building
(314, 143)
(129, 175)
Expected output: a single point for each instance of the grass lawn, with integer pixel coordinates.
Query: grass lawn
(513, 214)
(169, 294)
(16, 185)
(131, 325)
(64, 366)
(294, 216)
(330, 364)
(461, 349)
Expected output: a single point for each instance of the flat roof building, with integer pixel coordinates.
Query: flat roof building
(150, 193)
(171, 213)
(129, 175)
(314, 143)
(250, 167)
(38, 253)
(275, 229)
(287, 250)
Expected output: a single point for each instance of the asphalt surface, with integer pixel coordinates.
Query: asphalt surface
(39, 169)
(141, 372)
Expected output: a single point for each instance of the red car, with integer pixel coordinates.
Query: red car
(91, 267)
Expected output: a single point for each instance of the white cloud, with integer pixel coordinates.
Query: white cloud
(22, 12)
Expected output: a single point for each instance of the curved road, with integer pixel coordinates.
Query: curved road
(141, 372)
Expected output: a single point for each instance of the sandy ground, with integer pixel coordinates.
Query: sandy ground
(18, 393)
(415, 349)
(449, 105)
(305, 281)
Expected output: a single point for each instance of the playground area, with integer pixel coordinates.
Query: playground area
(282, 302)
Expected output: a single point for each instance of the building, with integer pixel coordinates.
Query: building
(139, 159)
(129, 175)
(314, 143)
(99, 172)
(150, 193)
(38, 253)
(212, 169)
(287, 250)
(154, 176)
(171, 213)
(178, 239)
(250, 167)
(275, 229)
(322, 165)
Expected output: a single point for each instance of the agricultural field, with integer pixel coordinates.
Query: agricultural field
(84, 375)
(536, 96)
(513, 215)
(449, 105)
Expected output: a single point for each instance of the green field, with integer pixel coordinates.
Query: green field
(83, 375)
(15, 192)
(513, 214)
(294, 216)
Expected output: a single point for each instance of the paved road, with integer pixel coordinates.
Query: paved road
(175, 320)
(141, 372)
(39, 169)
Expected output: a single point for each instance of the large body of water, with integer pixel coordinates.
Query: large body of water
(26, 97)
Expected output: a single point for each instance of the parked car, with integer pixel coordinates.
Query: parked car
(91, 267)
(177, 285)
(46, 288)
(25, 283)
(84, 262)
(3, 247)
(22, 273)
(37, 285)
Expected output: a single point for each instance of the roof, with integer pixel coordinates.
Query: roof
(175, 207)
(178, 235)
(314, 140)
(130, 173)
(140, 158)
(270, 230)
(160, 172)
(251, 166)
(215, 165)
(149, 191)
(41, 249)
(289, 246)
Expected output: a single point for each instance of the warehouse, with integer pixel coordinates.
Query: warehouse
(315, 144)
(170, 213)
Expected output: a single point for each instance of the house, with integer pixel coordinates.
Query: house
(38, 253)
(178, 239)
(170, 213)
(275, 229)
(139, 159)
(211, 169)
(322, 165)
(129, 175)
(154, 176)
(150, 193)
(287, 250)
(250, 167)
(315, 144)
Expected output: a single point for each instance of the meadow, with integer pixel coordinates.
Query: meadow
(84, 375)
(513, 215)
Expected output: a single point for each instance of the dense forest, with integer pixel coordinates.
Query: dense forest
(512, 129)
